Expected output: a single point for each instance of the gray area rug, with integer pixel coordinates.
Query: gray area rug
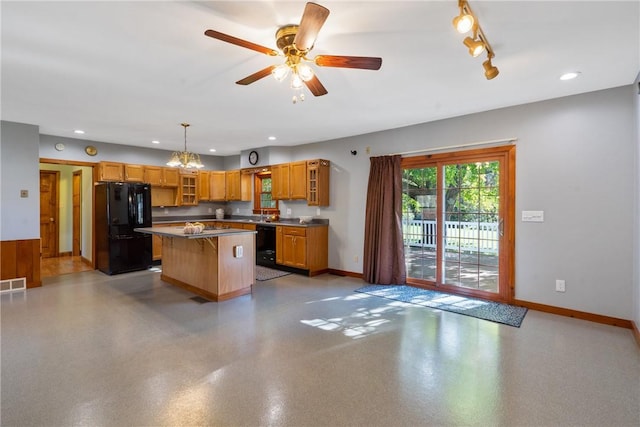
(266, 273)
(487, 310)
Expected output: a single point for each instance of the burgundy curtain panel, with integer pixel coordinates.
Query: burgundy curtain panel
(383, 261)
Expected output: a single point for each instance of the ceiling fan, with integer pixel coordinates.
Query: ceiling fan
(295, 42)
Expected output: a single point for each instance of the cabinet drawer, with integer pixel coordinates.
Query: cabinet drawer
(294, 231)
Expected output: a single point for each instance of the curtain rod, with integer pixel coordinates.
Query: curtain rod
(448, 147)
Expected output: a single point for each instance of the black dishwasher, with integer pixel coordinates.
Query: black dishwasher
(266, 245)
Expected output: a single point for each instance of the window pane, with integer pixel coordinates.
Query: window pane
(266, 185)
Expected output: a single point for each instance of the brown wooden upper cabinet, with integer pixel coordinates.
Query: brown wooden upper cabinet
(298, 180)
(212, 186)
(204, 185)
(110, 171)
(161, 176)
(133, 173)
(280, 181)
(318, 172)
(188, 187)
(217, 186)
(289, 181)
(238, 186)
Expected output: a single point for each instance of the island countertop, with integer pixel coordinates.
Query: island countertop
(178, 232)
(216, 264)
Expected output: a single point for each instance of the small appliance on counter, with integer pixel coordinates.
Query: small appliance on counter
(119, 208)
(219, 213)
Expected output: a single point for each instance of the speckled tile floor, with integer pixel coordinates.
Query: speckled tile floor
(89, 349)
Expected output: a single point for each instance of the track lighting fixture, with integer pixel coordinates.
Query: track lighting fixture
(467, 21)
(464, 22)
(490, 71)
(475, 45)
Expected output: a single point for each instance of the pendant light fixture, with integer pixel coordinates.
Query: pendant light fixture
(185, 159)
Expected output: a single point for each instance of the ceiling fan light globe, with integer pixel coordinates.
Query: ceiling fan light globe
(296, 81)
(280, 72)
(463, 23)
(305, 72)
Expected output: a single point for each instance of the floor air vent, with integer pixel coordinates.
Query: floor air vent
(9, 285)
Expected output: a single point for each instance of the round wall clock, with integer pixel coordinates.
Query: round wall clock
(59, 146)
(91, 150)
(253, 157)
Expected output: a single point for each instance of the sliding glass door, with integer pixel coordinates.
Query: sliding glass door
(458, 221)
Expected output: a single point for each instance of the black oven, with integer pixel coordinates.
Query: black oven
(266, 245)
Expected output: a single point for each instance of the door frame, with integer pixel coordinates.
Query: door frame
(506, 153)
(94, 180)
(76, 214)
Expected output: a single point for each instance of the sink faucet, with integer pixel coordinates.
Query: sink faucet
(261, 214)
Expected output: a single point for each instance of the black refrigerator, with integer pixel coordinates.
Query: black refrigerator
(119, 208)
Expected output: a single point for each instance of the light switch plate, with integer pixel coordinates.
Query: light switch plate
(237, 251)
(532, 216)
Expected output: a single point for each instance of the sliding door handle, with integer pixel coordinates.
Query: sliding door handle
(501, 227)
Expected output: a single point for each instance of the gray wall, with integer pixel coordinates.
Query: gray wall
(74, 150)
(576, 161)
(19, 217)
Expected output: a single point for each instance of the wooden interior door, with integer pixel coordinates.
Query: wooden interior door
(77, 213)
(49, 213)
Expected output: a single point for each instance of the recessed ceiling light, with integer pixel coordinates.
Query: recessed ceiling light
(155, 142)
(272, 138)
(213, 150)
(78, 131)
(569, 76)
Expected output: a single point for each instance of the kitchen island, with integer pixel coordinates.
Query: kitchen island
(216, 264)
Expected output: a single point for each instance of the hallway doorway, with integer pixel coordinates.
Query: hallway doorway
(74, 218)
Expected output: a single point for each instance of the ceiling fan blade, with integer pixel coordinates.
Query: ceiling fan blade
(362, 62)
(312, 20)
(256, 76)
(316, 87)
(239, 42)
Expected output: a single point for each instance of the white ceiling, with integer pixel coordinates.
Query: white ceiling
(131, 72)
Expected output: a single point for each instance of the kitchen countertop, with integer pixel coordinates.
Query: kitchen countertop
(293, 222)
(178, 232)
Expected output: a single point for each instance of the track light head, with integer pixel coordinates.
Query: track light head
(490, 71)
(476, 47)
(464, 22)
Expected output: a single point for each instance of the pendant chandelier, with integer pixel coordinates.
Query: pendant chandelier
(185, 159)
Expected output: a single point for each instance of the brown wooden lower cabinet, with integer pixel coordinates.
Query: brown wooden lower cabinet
(304, 248)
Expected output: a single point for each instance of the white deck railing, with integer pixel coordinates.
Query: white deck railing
(459, 236)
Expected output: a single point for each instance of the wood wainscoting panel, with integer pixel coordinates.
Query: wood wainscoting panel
(21, 258)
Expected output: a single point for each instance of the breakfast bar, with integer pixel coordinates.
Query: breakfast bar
(216, 264)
